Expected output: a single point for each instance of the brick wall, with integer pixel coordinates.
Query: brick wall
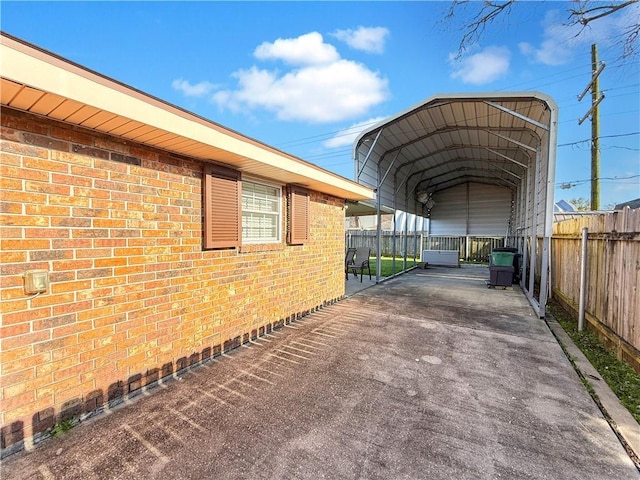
(133, 297)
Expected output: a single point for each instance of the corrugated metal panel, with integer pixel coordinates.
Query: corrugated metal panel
(490, 210)
(471, 209)
(449, 215)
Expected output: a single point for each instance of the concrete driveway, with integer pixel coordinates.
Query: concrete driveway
(427, 376)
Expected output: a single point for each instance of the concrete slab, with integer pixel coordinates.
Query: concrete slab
(354, 285)
(429, 375)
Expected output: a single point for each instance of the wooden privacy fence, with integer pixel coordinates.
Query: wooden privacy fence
(612, 298)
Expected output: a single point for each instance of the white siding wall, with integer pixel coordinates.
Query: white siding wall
(471, 209)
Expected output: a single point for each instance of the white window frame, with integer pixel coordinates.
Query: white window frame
(248, 189)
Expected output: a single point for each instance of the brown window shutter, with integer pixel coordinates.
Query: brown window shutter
(222, 207)
(298, 233)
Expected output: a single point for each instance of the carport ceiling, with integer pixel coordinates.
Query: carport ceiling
(449, 140)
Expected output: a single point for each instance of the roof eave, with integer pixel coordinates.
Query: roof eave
(29, 66)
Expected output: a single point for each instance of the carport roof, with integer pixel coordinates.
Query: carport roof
(451, 139)
(39, 82)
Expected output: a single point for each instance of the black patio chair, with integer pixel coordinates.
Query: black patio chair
(361, 262)
(348, 261)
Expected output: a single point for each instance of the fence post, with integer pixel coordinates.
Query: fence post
(583, 279)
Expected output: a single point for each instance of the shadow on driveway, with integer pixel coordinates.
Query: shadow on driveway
(426, 376)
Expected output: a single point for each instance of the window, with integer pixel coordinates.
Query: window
(261, 213)
(239, 211)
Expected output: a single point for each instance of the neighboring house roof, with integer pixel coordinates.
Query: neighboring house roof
(563, 206)
(631, 204)
(37, 81)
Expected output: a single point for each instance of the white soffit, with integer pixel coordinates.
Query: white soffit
(39, 82)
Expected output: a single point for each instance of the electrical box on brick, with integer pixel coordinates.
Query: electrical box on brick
(36, 281)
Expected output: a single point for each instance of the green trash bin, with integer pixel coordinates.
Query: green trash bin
(501, 269)
(502, 259)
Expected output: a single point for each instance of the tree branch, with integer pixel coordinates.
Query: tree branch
(583, 14)
(474, 30)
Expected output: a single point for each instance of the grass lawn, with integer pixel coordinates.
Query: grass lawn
(620, 377)
(386, 265)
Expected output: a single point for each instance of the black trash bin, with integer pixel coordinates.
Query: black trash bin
(501, 269)
(516, 261)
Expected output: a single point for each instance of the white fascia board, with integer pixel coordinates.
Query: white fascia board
(39, 73)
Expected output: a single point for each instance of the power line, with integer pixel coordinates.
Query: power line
(602, 136)
(573, 183)
(622, 148)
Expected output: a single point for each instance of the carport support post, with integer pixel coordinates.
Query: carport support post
(378, 223)
(415, 236)
(533, 238)
(545, 273)
(583, 279)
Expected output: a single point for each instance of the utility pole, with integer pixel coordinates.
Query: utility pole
(594, 111)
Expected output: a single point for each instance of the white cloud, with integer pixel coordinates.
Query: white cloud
(348, 135)
(482, 67)
(318, 93)
(560, 40)
(557, 46)
(368, 39)
(323, 87)
(308, 49)
(197, 90)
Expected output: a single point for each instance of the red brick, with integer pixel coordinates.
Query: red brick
(24, 363)
(89, 172)
(47, 233)
(58, 347)
(12, 403)
(54, 366)
(53, 299)
(22, 122)
(47, 210)
(70, 135)
(15, 208)
(20, 377)
(72, 180)
(53, 322)
(70, 243)
(71, 222)
(13, 330)
(67, 308)
(24, 340)
(47, 188)
(25, 150)
(24, 220)
(22, 353)
(72, 265)
(24, 316)
(14, 257)
(45, 165)
(7, 184)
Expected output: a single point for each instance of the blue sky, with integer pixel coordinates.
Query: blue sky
(305, 77)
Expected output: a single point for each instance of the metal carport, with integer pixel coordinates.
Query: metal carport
(505, 140)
